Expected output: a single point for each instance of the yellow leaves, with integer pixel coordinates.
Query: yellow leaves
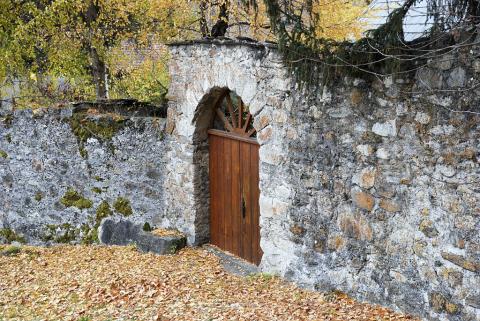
(140, 73)
(111, 283)
(340, 19)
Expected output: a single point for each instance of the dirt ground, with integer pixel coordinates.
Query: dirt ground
(87, 283)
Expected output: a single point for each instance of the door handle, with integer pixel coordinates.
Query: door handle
(244, 209)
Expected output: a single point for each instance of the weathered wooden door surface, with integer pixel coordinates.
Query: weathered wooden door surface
(234, 195)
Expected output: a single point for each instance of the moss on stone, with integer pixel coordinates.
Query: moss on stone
(90, 233)
(98, 178)
(3, 154)
(8, 120)
(147, 227)
(84, 126)
(103, 210)
(97, 190)
(11, 236)
(69, 234)
(122, 206)
(73, 198)
(38, 196)
(83, 152)
(60, 233)
(8, 138)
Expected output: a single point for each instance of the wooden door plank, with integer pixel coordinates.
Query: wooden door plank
(216, 197)
(227, 201)
(236, 213)
(255, 188)
(212, 146)
(247, 228)
(220, 178)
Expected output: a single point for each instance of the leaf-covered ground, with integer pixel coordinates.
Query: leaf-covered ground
(119, 283)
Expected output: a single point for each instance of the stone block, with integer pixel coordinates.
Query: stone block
(335, 242)
(279, 116)
(389, 205)
(264, 135)
(365, 149)
(457, 78)
(366, 177)
(339, 112)
(271, 207)
(462, 262)
(444, 62)
(363, 200)
(271, 154)
(387, 129)
(297, 230)
(422, 118)
(355, 225)
(427, 228)
(429, 78)
(124, 232)
(382, 153)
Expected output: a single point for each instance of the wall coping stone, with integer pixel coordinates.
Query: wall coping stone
(239, 41)
(128, 108)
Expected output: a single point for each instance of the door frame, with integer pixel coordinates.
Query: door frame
(233, 136)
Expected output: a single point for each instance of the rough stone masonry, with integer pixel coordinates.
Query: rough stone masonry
(64, 170)
(371, 188)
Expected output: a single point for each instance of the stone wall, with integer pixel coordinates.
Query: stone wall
(62, 171)
(371, 188)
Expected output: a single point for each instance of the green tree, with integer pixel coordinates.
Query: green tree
(73, 40)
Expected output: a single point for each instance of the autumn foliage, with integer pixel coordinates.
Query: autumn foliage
(55, 51)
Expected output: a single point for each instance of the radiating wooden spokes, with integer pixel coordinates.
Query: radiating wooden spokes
(237, 120)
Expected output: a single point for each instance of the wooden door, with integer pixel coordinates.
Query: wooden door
(234, 195)
(234, 178)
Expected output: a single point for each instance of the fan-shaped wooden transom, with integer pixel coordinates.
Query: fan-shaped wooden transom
(235, 116)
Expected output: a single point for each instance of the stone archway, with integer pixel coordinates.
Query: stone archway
(199, 74)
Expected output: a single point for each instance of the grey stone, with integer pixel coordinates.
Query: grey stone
(457, 78)
(385, 129)
(382, 153)
(233, 264)
(124, 232)
(444, 62)
(473, 301)
(365, 149)
(429, 78)
(476, 65)
(339, 112)
(422, 118)
(45, 162)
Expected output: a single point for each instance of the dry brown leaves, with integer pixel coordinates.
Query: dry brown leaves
(165, 232)
(119, 283)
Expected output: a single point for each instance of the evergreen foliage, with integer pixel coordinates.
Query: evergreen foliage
(314, 60)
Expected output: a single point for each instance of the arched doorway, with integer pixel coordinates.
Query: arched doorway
(234, 179)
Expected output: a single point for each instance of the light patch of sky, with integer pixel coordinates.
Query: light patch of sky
(415, 23)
